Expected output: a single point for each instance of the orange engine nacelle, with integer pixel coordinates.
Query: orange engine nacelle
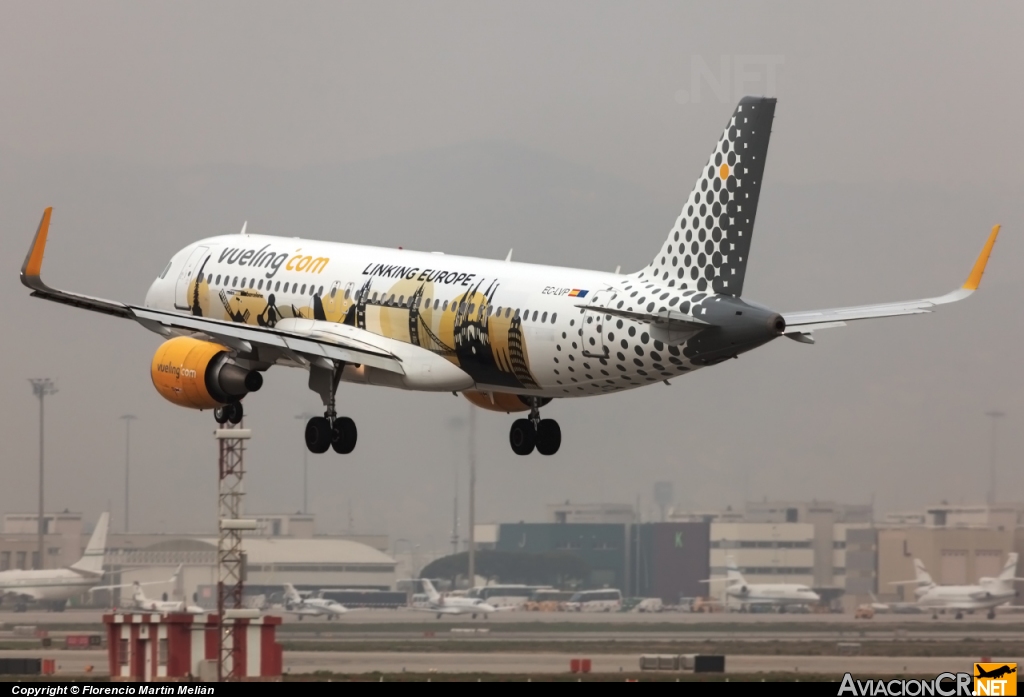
(501, 401)
(200, 375)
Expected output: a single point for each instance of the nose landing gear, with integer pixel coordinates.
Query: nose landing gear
(544, 435)
(229, 412)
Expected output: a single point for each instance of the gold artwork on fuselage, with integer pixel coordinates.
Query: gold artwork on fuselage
(471, 331)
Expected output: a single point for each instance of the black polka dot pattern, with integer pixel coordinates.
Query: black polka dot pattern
(717, 221)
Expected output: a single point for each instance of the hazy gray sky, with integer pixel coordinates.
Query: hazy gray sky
(571, 131)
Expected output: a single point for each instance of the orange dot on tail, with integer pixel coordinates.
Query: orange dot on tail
(723, 171)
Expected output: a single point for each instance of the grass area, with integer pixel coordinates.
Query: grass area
(906, 649)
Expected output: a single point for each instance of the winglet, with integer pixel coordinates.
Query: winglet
(34, 259)
(974, 280)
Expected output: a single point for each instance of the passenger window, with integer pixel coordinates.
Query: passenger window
(234, 284)
(303, 291)
(554, 316)
(252, 282)
(445, 307)
(347, 293)
(462, 306)
(217, 282)
(472, 308)
(401, 301)
(259, 286)
(544, 317)
(517, 313)
(534, 315)
(508, 311)
(199, 277)
(437, 303)
(277, 286)
(334, 292)
(526, 315)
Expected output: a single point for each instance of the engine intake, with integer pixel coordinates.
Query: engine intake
(200, 374)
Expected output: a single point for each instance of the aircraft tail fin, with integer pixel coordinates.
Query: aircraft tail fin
(1009, 572)
(921, 574)
(709, 245)
(732, 572)
(431, 592)
(92, 561)
(290, 594)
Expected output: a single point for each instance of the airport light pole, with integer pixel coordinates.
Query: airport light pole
(128, 418)
(41, 387)
(995, 416)
(305, 468)
(472, 495)
(455, 423)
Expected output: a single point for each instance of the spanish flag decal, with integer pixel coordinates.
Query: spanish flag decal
(577, 293)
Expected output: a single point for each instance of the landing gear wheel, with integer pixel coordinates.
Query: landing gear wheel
(234, 412)
(343, 435)
(318, 435)
(549, 437)
(522, 437)
(959, 616)
(220, 415)
(991, 614)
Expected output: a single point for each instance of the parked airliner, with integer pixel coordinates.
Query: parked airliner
(508, 336)
(55, 586)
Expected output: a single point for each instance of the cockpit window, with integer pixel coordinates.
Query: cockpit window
(166, 269)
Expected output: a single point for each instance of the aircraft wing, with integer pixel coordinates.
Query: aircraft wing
(799, 325)
(27, 595)
(351, 346)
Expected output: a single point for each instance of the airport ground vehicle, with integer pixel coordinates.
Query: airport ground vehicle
(603, 600)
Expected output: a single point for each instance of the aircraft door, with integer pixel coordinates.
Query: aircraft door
(181, 299)
(593, 331)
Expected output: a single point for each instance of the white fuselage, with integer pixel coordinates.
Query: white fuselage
(979, 597)
(511, 327)
(317, 607)
(45, 584)
(778, 594)
(462, 606)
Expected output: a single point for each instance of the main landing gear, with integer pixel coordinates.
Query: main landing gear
(330, 430)
(229, 412)
(527, 434)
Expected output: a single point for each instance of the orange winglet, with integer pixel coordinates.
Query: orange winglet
(974, 280)
(34, 261)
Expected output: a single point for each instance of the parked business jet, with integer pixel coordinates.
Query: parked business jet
(317, 607)
(987, 594)
(140, 603)
(776, 595)
(443, 605)
(54, 587)
(510, 337)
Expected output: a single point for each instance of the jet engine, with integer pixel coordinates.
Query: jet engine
(200, 374)
(501, 401)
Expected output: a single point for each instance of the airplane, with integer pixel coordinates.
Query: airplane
(509, 337)
(995, 672)
(777, 595)
(443, 605)
(987, 594)
(317, 607)
(141, 603)
(56, 586)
